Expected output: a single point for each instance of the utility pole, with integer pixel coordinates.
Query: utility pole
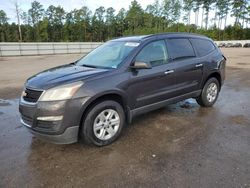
(18, 21)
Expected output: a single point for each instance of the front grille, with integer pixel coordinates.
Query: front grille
(31, 95)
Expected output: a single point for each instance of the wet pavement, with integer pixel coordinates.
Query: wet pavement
(181, 145)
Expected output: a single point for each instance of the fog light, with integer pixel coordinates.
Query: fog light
(50, 118)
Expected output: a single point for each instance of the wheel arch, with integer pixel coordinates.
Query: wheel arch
(117, 96)
(216, 75)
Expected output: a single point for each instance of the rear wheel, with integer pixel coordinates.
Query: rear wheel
(210, 93)
(103, 123)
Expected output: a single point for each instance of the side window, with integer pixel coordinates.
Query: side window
(203, 47)
(180, 48)
(155, 53)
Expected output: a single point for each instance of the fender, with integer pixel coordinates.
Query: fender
(117, 92)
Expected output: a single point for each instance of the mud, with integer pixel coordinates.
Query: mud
(181, 145)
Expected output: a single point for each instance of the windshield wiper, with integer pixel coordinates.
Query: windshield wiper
(74, 62)
(96, 67)
(91, 66)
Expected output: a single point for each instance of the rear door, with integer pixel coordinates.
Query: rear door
(188, 69)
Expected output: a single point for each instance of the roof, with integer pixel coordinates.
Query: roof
(140, 38)
(131, 38)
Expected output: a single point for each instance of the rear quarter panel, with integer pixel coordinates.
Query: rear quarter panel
(214, 63)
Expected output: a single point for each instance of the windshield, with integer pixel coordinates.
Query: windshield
(108, 55)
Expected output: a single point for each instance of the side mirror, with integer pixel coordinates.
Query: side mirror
(141, 65)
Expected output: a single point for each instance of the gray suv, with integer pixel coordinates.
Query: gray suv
(93, 98)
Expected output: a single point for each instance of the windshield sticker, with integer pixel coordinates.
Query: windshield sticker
(132, 44)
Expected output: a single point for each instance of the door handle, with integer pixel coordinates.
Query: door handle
(168, 71)
(199, 65)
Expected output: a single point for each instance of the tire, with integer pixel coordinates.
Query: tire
(210, 93)
(98, 127)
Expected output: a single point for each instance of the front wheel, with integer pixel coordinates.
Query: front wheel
(210, 93)
(103, 123)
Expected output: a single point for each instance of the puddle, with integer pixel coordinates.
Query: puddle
(239, 119)
(4, 102)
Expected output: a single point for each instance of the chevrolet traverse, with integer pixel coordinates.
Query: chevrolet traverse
(93, 98)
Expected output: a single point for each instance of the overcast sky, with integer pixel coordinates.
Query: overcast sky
(8, 5)
(68, 5)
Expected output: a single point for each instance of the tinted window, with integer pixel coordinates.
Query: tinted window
(155, 53)
(180, 48)
(203, 47)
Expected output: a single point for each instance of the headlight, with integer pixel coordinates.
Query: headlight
(61, 92)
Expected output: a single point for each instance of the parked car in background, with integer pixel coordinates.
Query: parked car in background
(229, 45)
(237, 45)
(222, 45)
(94, 97)
(246, 45)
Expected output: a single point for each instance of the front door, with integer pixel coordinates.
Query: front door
(149, 86)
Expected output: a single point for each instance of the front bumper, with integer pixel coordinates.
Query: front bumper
(69, 136)
(56, 121)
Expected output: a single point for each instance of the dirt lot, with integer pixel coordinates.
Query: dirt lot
(181, 145)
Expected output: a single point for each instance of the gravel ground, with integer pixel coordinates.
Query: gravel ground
(181, 145)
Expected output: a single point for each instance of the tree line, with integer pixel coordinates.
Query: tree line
(54, 24)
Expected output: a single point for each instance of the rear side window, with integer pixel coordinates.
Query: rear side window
(180, 48)
(203, 47)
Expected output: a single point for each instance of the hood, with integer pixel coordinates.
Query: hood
(60, 75)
